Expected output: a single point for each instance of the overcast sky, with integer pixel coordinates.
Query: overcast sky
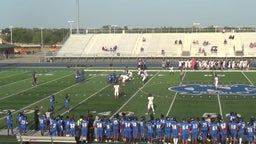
(131, 13)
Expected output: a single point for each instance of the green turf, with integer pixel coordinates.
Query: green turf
(95, 94)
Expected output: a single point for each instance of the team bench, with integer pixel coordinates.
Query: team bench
(54, 139)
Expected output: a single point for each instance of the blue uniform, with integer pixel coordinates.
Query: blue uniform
(23, 125)
(67, 102)
(150, 128)
(241, 126)
(184, 130)
(222, 130)
(52, 99)
(158, 126)
(127, 129)
(204, 129)
(250, 133)
(115, 124)
(72, 127)
(233, 130)
(53, 127)
(175, 131)
(9, 121)
(213, 128)
(84, 128)
(108, 129)
(42, 122)
(99, 125)
(194, 130)
(135, 129)
(167, 128)
(67, 126)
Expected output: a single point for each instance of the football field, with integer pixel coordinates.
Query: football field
(192, 96)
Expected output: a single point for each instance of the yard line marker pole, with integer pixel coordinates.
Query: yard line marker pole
(134, 95)
(247, 78)
(175, 95)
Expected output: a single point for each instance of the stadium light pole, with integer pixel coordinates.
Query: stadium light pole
(77, 16)
(11, 33)
(42, 39)
(70, 26)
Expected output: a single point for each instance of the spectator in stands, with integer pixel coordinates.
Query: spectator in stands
(180, 42)
(225, 42)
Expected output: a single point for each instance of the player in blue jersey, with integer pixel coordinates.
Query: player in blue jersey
(233, 127)
(108, 130)
(194, 130)
(127, 130)
(142, 129)
(42, 124)
(115, 125)
(150, 129)
(99, 126)
(67, 126)
(175, 131)
(203, 129)
(213, 130)
(158, 129)
(167, 129)
(52, 100)
(250, 130)
(84, 128)
(72, 127)
(185, 129)
(8, 119)
(241, 129)
(53, 127)
(23, 125)
(67, 103)
(59, 122)
(222, 126)
(135, 129)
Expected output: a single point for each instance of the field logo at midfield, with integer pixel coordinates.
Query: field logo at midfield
(196, 89)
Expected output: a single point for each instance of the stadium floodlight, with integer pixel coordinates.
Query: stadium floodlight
(70, 26)
(77, 16)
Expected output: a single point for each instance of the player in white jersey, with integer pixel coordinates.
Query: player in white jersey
(150, 104)
(144, 75)
(216, 81)
(124, 78)
(116, 88)
(171, 70)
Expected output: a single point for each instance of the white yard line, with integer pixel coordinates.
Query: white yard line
(220, 105)
(247, 78)
(44, 98)
(15, 82)
(133, 95)
(32, 88)
(170, 108)
(11, 75)
(87, 98)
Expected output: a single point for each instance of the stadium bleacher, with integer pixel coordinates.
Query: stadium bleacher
(159, 45)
